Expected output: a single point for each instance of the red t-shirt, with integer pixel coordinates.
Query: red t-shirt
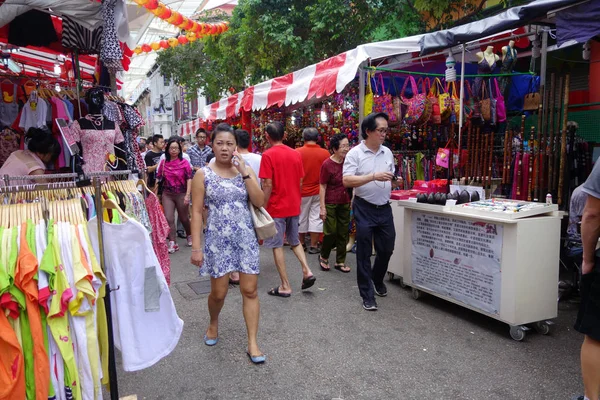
(283, 166)
(331, 175)
(313, 156)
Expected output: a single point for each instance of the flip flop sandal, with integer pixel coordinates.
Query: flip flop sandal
(308, 282)
(275, 292)
(340, 267)
(324, 264)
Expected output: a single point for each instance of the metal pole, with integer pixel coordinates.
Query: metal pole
(543, 73)
(462, 97)
(361, 95)
(112, 367)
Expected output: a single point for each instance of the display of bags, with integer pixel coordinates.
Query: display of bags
(383, 102)
(485, 105)
(433, 96)
(264, 225)
(500, 105)
(453, 98)
(419, 106)
(532, 99)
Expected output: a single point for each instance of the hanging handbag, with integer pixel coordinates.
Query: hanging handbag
(433, 96)
(454, 99)
(397, 102)
(485, 105)
(264, 225)
(419, 107)
(500, 105)
(368, 109)
(383, 102)
(444, 100)
(532, 99)
(492, 104)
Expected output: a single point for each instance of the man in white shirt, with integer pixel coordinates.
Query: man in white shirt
(243, 144)
(369, 169)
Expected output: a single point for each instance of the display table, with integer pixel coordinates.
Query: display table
(501, 264)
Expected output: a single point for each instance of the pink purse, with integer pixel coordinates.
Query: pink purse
(419, 106)
(500, 105)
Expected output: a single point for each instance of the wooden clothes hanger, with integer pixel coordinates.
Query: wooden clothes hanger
(111, 205)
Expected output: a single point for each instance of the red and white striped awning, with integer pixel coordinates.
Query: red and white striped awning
(315, 81)
(189, 128)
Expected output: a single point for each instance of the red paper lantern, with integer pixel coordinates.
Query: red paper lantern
(195, 27)
(164, 44)
(182, 39)
(146, 48)
(202, 28)
(151, 4)
(162, 11)
(213, 29)
(175, 19)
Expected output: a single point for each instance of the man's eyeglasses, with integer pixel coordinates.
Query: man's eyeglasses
(382, 130)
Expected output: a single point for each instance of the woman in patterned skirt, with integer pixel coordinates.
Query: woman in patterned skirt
(230, 244)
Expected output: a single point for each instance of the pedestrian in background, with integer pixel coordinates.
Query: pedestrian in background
(226, 187)
(369, 169)
(252, 160)
(176, 176)
(588, 318)
(152, 159)
(281, 172)
(334, 205)
(313, 157)
(199, 151)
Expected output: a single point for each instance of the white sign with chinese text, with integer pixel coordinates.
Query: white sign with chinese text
(458, 258)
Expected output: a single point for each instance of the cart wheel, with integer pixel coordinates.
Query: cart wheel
(517, 333)
(402, 284)
(416, 294)
(391, 276)
(542, 327)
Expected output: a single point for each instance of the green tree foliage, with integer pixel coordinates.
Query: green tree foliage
(270, 38)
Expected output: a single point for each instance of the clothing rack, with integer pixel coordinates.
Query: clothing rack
(97, 184)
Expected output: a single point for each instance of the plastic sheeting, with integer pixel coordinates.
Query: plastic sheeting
(510, 19)
(579, 23)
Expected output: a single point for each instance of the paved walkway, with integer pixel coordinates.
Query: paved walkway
(322, 345)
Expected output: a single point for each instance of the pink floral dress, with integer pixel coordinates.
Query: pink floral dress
(96, 145)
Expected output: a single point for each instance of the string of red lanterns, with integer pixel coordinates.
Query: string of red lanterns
(166, 43)
(165, 13)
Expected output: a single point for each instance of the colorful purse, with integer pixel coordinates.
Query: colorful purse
(383, 103)
(433, 96)
(454, 99)
(500, 105)
(419, 106)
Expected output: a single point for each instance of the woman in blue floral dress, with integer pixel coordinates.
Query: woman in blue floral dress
(230, 244)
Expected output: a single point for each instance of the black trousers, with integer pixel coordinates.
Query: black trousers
(373, 224)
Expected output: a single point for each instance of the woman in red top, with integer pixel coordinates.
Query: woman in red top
(176, 176)
(335, 205)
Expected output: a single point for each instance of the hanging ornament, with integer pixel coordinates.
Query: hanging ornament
(137, 50)
(164, 44)
(162, 11)
(191, 36)
(182, 39)
(155, 46)
(146, 48)
(151, 4)
(175, 19)
(173, 42)
(141, 2)
(213, 29)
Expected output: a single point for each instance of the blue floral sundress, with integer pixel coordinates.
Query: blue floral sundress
(230, 242)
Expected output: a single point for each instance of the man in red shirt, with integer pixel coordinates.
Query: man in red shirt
(282, 172)
(313, 157)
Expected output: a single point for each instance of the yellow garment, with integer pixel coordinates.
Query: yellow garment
(101, 321)
(78, 306)
(58, 320)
